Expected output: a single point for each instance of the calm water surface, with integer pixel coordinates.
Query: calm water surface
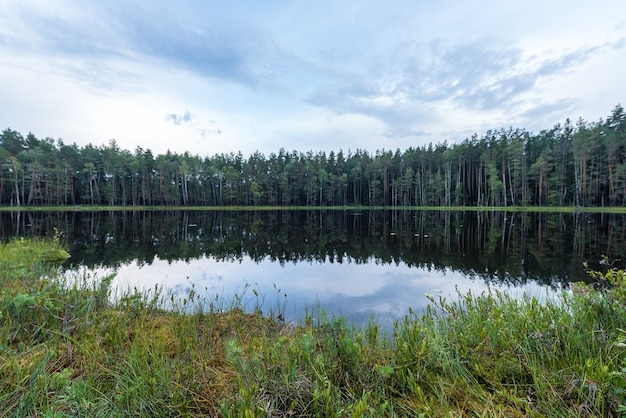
(357, 264)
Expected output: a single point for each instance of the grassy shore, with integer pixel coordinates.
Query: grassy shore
(94, 208)
(71, 348)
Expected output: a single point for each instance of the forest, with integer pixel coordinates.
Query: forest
(580, 164)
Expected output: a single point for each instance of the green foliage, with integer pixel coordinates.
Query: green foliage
(613, 278)
(567, 165)
(55, 255)
(326, 370)
(510, 357)
(68, 348)
(609, 304)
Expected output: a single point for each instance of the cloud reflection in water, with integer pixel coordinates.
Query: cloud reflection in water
(361, 291)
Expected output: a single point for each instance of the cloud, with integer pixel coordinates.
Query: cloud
(192, 36)
(553, 110)
(400, 75)
(180, 119)
(421, 81)
(191, 121)
(209, 40)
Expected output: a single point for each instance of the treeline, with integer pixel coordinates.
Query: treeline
(582, 164)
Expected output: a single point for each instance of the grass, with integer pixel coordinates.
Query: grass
(73, 348)
(101, 208)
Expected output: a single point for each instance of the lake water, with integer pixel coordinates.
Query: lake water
(360, 264)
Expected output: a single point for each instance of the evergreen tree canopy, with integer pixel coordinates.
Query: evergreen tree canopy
(582, 164)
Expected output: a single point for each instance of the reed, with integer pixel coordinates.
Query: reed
(76, 347)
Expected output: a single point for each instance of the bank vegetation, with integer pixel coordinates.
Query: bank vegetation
(76, 347)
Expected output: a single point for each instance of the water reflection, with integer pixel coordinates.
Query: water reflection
(359, 291)
(351, 263)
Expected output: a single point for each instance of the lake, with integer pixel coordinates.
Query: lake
(355, 263)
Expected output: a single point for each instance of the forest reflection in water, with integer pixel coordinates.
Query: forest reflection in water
(355, 263)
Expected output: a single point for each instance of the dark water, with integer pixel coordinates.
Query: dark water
(359, 264)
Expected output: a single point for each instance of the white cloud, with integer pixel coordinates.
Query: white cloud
(304, 76)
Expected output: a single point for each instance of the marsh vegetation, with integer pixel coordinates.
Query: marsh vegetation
(69, 349)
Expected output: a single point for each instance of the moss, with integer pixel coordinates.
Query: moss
(55, 255)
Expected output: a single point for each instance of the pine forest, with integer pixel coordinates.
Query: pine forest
(580, 164)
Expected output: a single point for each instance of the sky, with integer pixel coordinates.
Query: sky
(213, 77)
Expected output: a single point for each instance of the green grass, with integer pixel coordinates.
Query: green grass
(76, 348)
(98, 208)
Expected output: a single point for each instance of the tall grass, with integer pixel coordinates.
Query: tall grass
(77, 348)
